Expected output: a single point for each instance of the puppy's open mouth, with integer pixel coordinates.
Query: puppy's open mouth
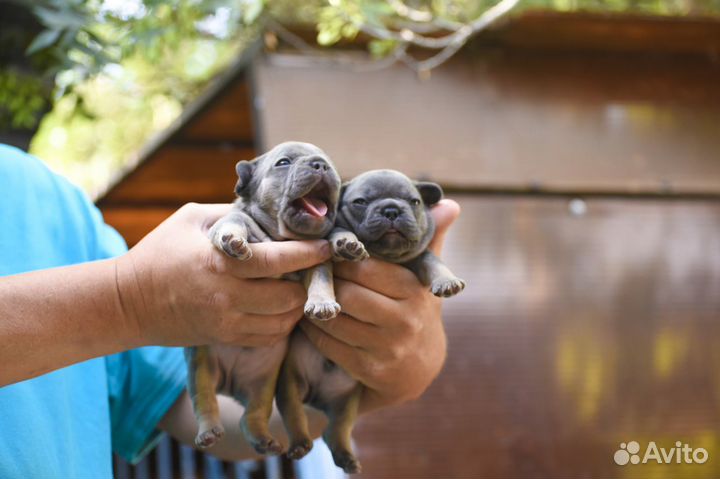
(315, 202)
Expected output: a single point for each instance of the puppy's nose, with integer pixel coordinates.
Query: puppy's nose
(390, 212)
(319, 164)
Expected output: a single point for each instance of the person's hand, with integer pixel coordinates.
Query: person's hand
(390, 334)
(176, 288)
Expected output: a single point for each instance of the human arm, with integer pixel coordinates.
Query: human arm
(390, 335)
(173, 288)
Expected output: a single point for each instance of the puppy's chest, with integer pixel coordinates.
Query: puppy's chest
(326, 380)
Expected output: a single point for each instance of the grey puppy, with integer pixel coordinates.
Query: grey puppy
(290, 192)
(389, 214)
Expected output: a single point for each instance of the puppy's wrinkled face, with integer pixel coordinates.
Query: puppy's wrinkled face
(389, 213)
(292, 191)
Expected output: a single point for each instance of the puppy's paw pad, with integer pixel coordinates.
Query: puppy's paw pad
(350, 250)
(268, 445)
(300, 449)
(322, 310)
(347, 462)
(208, 438)
(446, 287)
(236, 247)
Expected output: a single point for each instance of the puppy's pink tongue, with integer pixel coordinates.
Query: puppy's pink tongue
(314, 206)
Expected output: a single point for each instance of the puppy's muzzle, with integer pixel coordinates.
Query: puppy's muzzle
(319, 164)
(391, 212)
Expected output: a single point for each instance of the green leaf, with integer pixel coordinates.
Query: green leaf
(328, 36)
(381, 48)
(252, 10)
(60, 19)
(42, 41)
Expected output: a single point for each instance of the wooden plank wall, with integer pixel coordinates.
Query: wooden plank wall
(196, 164)
(576, 333)
(536, 106)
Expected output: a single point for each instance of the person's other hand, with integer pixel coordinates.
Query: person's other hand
(177, 289)
(390, 334)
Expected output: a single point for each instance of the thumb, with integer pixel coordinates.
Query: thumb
(444, 213)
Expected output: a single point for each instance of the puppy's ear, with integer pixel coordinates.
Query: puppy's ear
(244, 170)
(343, 187)
(431, 193)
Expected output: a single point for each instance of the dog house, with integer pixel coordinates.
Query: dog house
(583, 150)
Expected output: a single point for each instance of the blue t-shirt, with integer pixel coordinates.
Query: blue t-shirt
(65, 424)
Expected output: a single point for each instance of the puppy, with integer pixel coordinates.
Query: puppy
(386, 214)
(290, 192)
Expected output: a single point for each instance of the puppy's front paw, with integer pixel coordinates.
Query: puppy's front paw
(446, 287)
(208, 438)
(349, 249)
(321, 310)
(231, 239)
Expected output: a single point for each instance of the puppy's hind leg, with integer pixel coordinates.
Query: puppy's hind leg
(258, 408)
(342, 413)
(203, 377)
(321, 303)
(230, 234)
(291, 390)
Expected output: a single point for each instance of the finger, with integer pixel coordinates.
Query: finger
(278, 257)
(205, 214)
(364, 304)
(387, 279)
(257, 340)
(444, 213)
(267, 324)
(350, 331)
(260, 296)
(351, 359)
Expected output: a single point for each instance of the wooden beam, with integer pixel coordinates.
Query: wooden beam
(178, 175)
(134, 223)
(227, 118)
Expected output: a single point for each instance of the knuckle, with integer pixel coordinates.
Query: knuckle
(371, 368)
(411, 325)
(266, 260)
(214, 262)
(189, 208)
(397, 352)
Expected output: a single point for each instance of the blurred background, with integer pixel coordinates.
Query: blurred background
(580, 137)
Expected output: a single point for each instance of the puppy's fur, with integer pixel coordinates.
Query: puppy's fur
(389, 214)
(290, 192)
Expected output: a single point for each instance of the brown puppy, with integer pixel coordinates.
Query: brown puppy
(389, 214)
(290, 192)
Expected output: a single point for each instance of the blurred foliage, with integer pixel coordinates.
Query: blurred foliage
(22, 99)
(118, 71)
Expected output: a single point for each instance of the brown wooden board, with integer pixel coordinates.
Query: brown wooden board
(508, 119)
(607, 32)
(134, 223)
(228, 117)
(575, 334)
(178, 174)
(587, 31)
